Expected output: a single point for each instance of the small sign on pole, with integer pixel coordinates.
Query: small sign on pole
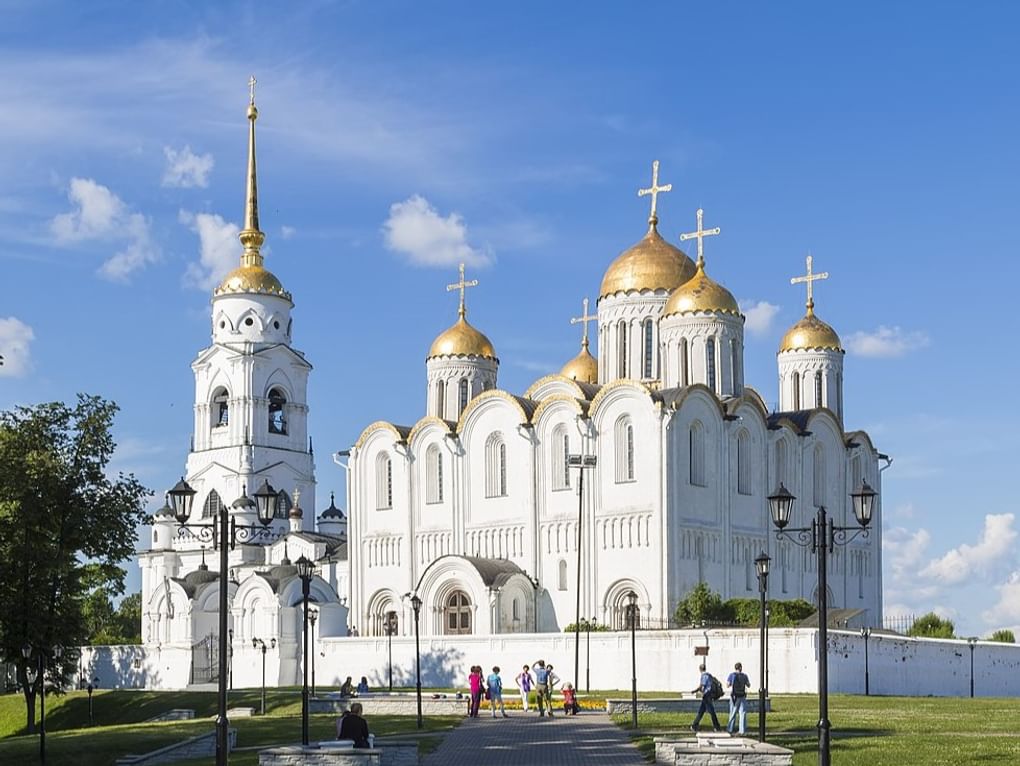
(700, 651)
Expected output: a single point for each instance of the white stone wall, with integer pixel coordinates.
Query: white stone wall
(805, 364)
(631, 310)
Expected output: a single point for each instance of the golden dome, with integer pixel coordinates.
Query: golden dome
(583, 368)
(651, 264)
(701, 294)
(810, 333)
(462, 340)
(252, 279)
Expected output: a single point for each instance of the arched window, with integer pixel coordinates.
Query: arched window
(818, 389)
(457, 617)
(710, 363)
(212, 505)
(796, 391)
(277, 415)
(649, 349)
(623, 434)
(441, 398)
(434, 475)
(744, 463)
(621, 334)
(383, 481)
(495, 466)
(283, 505)
(563, 574)
(560, 451)
(685, 364)
(819, 475)
(735, 365)
(220, 407)
(696, 446)
(780, 462)
(462, 395)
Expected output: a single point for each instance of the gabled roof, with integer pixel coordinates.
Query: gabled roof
(494, 572)
(192, 581)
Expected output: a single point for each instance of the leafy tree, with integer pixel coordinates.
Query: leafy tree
(64, 525)
(590, 625)
(108, 626)
(932, 626)
(1004, 635)
(700, 604)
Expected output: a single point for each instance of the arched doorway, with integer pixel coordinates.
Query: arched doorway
(457, 614)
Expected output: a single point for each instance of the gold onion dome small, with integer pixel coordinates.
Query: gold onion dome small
(252, 279)
(701, 294)
(810, 333)
(462, 340)
(651, 264)
(583, 368)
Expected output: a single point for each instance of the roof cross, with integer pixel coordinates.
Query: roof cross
(700, 235)
(810, 278)
(462, 285)
(586, 318)
(654, 190)
(251, 89)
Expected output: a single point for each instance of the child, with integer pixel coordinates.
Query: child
(569, 700)
(495, 686)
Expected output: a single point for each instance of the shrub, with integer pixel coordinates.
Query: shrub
(932, 626)
(1004, 635)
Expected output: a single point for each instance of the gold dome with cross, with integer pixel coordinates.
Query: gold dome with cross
(652, 263)
(701, 293)
(810, 332)
(462, 339)
(584, 368)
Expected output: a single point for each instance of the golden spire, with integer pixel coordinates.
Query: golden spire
(251, 237)
(585, 318)
(654, 190)
(700, 235)
(810, 278)
(462, 285)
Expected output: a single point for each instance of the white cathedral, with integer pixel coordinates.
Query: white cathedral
(478, 509)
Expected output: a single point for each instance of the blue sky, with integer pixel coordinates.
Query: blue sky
(396, 139)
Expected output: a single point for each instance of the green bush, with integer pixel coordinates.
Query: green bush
(703, 604)
(932, 626)
(1005, 636)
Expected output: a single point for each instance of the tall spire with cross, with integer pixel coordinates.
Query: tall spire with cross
(654, 190)
(462, 285)
(700, 235)
(585, 318)
(810, 278)
(251, 236)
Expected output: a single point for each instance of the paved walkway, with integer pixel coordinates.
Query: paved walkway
(524, 739)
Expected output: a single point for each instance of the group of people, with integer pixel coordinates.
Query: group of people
(737, 682)
(348, 689)
(542, 680)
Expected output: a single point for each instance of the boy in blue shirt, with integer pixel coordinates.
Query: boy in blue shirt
(705, 687)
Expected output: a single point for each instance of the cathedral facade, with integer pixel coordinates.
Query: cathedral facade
(481, 509)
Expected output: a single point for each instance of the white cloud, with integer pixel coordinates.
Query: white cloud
(286, 232)
(186, 169)
(15, 339)
(97, 214)
(960, 563)
(218, 249)
(1007, 609)
(886, 342)
(419, 232)
(758, 315)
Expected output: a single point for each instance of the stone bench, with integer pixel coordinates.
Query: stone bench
(390, 704)
(678, 705)
(332, 753)
(717, 749)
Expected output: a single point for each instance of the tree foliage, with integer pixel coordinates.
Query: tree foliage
(1003, 635)
(64, 526)
(702, 604)
(591, 626)
(932, 626)
(109, 626)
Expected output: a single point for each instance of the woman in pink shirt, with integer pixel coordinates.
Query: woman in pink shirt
(477, 689)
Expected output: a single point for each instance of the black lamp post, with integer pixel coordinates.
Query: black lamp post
(313, 616)
(971, 642)
(581, 463)
(91, 688)
(390, 626)
(39, 672)
(305, 570)
(821, 537)
(632, 619)
(587, 655)
(416, 606)
(224, 532)
(258, 643)
(761, 565)
(866, 633)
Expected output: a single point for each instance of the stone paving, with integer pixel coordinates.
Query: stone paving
(524, 739)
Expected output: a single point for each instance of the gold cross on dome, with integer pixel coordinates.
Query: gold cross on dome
(810, 278)
(700, 235)
(586, 318)
(462, 285)
(654, 190)
(251, 89)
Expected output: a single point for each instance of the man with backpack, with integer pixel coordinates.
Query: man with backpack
(544, 680)
(738, 683)
(711, 690)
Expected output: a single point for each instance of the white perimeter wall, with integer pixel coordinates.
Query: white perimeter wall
(665, 662)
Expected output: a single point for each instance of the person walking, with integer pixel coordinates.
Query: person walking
(477, 687)
(543, 696)
(495, 686)
(705, 688)
(524, 683)
(737, 682)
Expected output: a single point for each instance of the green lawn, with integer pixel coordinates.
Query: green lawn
(873, 731)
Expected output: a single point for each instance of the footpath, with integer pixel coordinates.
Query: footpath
(524, 739)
